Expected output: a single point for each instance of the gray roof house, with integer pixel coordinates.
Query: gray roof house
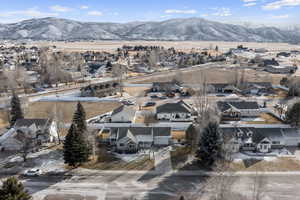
(234, 110)
(262, 140)
(179, 111)
(38, 131)
(133, 139)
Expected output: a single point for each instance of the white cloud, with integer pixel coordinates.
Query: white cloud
(165, 16)
(280, 16)
(248, 1)
(204, 15)
(250, 4)
(281, 3)
(222, 12)
(31, 12)
(58, 8)
(174, 11)
(95, 13)
(83, 7)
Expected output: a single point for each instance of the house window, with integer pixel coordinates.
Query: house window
(121, 145)
(276, 142)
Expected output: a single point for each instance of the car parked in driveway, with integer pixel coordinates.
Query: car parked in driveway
(33, 172)
(149, 104)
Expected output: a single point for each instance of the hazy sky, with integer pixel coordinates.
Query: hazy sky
(274, 12)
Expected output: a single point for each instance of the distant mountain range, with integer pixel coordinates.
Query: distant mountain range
(175, 29)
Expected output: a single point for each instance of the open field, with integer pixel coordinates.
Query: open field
(180, 45)
(3, 119)
(216, 75)
(64, 109)
(46, 109)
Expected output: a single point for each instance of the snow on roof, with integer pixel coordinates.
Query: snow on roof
(6, 135)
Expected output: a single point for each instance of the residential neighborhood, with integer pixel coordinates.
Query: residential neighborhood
(125, 100)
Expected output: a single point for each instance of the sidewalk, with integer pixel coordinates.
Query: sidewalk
(86, 172)
(162, 161)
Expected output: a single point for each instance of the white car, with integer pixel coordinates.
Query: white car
(33, 172)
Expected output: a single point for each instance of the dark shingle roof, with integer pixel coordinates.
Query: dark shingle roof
(29, 122)
(271, 133)
(174, 107)
(157, 131)
(225, 105)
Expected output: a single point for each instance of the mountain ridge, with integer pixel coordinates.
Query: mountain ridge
(179, 29)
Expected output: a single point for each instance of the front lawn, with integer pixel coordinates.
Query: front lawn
(113, 163)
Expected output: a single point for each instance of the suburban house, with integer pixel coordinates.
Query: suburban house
(256, 88)
(225, 88)
(235, 110)
(262, 140)
(37, 131)
(281, 69)
(179, 111)
(123, 114)
(133, 139)
(165, 87)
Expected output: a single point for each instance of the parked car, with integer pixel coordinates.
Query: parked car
(154, 97)
(149, 104)
(33, 172)
(127, 102)
(163, 97)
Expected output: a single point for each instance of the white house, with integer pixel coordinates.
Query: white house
(38, 131)
(262, 140)
(179, 111)
(133, 139)
(232, 110)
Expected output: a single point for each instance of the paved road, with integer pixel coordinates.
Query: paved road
(151, 187)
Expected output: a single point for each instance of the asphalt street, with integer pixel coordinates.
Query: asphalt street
(115, 186)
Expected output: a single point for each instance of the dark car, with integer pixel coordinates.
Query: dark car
(154, 97)
(149, 104)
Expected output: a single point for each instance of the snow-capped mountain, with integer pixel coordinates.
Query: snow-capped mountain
(174, 29)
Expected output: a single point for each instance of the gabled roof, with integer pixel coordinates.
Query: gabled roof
(139, 131)
(240, 105)
(270, 133)
(180, 106)
(29, 122)
(123, 108)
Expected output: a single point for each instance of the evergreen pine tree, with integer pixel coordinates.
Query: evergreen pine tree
(293, 115)
(79, 118)
(76, 150)
(210, 145)
(16, 110)
(181, 198)
(12, 189)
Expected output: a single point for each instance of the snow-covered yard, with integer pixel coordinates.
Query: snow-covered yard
(48, 160)
(239, 157)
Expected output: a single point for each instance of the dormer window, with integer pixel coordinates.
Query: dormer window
(240, 134)
(250, 134)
